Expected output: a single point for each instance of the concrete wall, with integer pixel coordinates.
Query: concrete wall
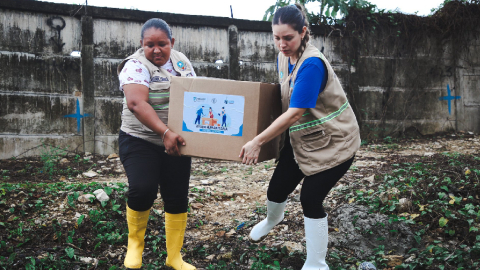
(48, 96)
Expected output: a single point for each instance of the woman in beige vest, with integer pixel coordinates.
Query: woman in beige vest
(148, 149)
(320, 134)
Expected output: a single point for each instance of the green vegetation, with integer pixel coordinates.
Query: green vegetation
(44, 226)
(444, 192)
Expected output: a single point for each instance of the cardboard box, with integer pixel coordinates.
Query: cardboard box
(242, 110)
(209, 121)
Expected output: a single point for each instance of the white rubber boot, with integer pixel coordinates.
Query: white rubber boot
(275, 214)
(316, 234)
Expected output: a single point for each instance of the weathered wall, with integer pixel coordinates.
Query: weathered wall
(467, 77)
(48, 95)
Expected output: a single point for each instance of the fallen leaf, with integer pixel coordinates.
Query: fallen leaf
(413, 216)
(452, 201)
(442, 222)
(336, 229)
(114, 155)
(197, 205)
(351, 200)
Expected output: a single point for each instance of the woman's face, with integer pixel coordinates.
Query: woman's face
(157, 46)
(287, 39)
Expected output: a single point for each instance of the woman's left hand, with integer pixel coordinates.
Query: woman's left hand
(250, 152)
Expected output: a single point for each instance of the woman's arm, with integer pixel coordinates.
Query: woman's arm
(309, 83)
(251, 149)
(137, 103)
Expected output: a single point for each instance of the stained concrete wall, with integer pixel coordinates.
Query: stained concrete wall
(48, 96)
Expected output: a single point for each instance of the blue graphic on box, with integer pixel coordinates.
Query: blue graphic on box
(213, 113)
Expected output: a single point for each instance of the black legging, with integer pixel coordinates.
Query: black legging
(287, 176)
(148, 166)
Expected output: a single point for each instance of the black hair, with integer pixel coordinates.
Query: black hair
(296, 17)
(157, 24)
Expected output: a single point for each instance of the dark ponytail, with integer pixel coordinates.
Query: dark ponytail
(296, 17)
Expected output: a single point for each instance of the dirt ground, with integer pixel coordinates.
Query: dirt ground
(226, 199)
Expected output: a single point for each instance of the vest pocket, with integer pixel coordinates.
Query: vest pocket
(315, 139)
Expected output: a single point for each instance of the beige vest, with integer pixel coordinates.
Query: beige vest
(326, 135)
(159, 94)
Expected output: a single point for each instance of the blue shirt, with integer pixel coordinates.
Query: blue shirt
(310, 82)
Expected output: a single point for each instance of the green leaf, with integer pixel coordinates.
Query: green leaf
(70, 252)
(418, 238)
(108, 190)
(11, 258)
(442, 222)
(80, 220)
(115, 207)
(2, 224)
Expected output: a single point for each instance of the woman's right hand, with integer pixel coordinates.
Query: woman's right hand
(171, 141)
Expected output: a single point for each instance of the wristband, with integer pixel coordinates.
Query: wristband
(163, 138)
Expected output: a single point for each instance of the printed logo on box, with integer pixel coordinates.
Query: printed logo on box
(203, 113)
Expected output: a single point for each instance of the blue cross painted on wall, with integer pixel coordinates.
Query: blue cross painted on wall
(449, 98)
(77, 115)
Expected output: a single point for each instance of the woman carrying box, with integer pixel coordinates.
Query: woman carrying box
(320, 134)
(148, 149)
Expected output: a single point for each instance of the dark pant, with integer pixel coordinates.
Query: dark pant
(148, 166)
(287, 176)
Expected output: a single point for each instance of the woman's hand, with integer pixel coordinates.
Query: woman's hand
(171, 142)
(251, 149)
(250, 152)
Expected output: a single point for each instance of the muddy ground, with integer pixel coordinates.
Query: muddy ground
(40, 210)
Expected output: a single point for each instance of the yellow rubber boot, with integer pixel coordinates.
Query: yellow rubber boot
(175, 225)
(137, 224)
